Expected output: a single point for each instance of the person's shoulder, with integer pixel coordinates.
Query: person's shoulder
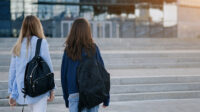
(97, 48)
(35, 38)
(44, 42)
(65, 54)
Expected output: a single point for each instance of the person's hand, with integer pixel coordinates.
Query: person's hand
(51, 97)
(12, 102)
(104, 106)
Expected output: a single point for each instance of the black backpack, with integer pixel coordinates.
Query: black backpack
(38, 77)
(93, 83)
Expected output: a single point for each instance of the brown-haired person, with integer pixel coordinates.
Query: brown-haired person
(79, 44)
(23, 52)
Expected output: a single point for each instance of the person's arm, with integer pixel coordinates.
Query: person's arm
(44, 51)
(12, 74)
(64, 79)
(99, 58)
(14, 93)
(46, 55)
(12, 85)
(107, 101)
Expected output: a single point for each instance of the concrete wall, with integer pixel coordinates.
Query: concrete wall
(188, 21)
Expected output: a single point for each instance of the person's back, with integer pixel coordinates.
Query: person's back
(23, 59)
(79, 44)
(22, 53)
(69, 70)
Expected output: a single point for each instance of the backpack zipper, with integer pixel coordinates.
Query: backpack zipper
(42, 77)
(33, 71)
(39, 79)
(32, 74)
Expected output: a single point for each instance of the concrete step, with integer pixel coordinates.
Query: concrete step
(138, 88)
(129, 54)
(133, 66)
(139, 80)
(130, 61)
(156, 95)
(137, 73)
(146, 96)
(172, 105)
(135, 96)
(60, 49)
(143, 88)
(109, 60)
(122, 44)
(121, 40)
(131, 57)
(4, 94)
(135, 53)
(158, 60)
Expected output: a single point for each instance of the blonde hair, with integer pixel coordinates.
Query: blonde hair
(31, 26)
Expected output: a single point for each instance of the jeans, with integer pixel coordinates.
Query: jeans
(73, 104)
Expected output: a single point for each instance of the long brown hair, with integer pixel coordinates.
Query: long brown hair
(31, 26)
(79, 37)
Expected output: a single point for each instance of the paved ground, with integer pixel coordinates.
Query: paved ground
(181, 105)
(158, 72)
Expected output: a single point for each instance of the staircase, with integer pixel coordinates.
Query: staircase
(141, 68)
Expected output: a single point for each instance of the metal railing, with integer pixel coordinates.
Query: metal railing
(98, 28)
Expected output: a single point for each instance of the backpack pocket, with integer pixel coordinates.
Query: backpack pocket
(43, 84)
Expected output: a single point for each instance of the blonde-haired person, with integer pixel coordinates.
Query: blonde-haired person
(22, 53)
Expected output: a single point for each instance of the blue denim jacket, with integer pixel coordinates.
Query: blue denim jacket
(17, 70)
(68, 75)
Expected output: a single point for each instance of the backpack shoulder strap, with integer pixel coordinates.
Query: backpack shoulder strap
(37, 51)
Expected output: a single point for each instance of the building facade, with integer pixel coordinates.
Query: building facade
(5, 27)
(108, 18)
(188, 18)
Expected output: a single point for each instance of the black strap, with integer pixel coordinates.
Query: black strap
(37, 51)
(24, 103)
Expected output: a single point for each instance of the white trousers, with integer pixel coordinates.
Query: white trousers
(40, 106)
